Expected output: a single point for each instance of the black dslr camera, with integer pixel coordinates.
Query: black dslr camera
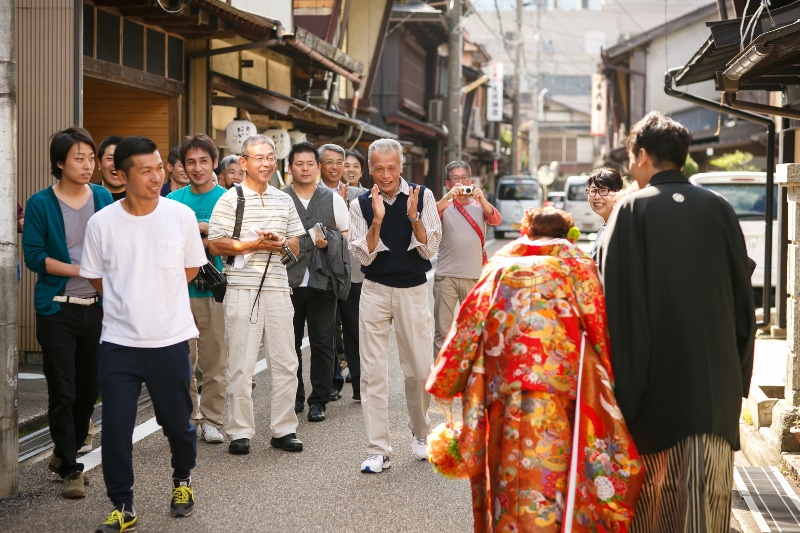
(288, 256)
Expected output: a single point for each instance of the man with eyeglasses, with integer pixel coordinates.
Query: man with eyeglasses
(257, 302)
(602, 187)
(332, 175)
(465, 214)
(395, 230)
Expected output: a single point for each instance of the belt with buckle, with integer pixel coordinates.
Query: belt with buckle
(75, 300)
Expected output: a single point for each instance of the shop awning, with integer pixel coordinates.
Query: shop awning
(768, 62)
(309, 118)
(425, 129)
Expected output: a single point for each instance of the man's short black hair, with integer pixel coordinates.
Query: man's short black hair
(129, 147)
(111, 140)
(174, 155)
(62, 142)
(665, 140)
(359, 156)
(605, 178)
(302, 148)
(199, 141)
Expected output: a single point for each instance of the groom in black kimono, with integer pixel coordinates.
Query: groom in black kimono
(682, 325)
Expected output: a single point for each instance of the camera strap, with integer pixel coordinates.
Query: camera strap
(237, 227)
(260, 286)
(474, 226)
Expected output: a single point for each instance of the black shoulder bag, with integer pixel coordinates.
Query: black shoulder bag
(214, 280)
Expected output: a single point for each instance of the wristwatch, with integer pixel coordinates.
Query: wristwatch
(415, 219)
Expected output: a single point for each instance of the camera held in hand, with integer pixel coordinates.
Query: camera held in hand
(467, 189)
(288, 256)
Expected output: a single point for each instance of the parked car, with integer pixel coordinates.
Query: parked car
(746, 192)
(576, 203)
(555, 199)
(513, 196)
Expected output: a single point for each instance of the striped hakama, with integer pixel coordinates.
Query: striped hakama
(687, 488)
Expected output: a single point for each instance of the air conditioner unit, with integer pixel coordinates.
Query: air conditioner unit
(317, 96)
(436, 111)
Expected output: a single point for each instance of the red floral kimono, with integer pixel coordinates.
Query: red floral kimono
(514, 352)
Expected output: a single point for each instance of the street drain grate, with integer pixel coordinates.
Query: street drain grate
(770, 498)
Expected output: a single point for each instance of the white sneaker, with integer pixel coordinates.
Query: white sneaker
(211, 434)
(419, 447)
(375, 464)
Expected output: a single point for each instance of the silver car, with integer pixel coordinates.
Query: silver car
(513, 196)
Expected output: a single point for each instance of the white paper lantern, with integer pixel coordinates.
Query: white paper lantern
(283, 143)
(297, 136)
(235, 134)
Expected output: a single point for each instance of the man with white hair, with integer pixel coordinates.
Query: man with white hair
(395, 230)
(257, 302)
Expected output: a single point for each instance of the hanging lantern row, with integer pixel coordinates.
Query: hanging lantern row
(238, 130)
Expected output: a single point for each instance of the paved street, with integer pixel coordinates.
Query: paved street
(320, 489)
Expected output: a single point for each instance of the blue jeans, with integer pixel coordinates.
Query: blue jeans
(120, 373)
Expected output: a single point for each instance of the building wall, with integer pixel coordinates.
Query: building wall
(280, 10)
(675, 49)
(363, 36)
(45, 70)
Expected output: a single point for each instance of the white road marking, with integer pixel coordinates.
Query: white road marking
(751, 504)
(150, 426)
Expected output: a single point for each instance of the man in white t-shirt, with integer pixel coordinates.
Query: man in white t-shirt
(142, 274)
(320, 276)
(465, 214)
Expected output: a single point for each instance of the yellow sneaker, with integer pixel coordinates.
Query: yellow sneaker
(118, 520)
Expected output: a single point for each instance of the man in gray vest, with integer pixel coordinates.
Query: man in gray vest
(321, 274)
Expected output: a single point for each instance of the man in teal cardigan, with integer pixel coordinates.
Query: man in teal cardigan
(68, 313)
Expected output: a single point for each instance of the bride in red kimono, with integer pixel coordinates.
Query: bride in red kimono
(514, 352)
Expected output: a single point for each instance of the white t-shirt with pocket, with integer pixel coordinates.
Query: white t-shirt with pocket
(141, 260)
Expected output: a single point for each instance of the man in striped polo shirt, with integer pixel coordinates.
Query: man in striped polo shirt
(257, 303)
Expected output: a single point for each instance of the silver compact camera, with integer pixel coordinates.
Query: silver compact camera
(468, 189)
(288, 256)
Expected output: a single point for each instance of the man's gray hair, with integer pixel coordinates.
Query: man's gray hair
(255, 140)
(227, 160)
(452, 165)
(331, 148)
(383, 146)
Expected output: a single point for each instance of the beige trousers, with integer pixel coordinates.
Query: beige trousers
(209, 352)
(447, 292)
(409, 311)
(271, 322)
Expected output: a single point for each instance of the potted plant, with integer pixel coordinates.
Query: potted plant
(795, 429)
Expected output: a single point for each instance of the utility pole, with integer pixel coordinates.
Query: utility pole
(9, 416)
(537, 112)
(517, 88)
(454, 81)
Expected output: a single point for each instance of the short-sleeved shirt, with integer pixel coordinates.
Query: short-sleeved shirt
(142, 262)
(272, 211)
(75, 221)
(460, 252)
(202, 205)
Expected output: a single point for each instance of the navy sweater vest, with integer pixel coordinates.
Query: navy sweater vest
(399, 267)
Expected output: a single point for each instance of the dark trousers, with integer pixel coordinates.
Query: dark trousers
(318, 309)
(348, 311)
(120, 374)
(69, 340)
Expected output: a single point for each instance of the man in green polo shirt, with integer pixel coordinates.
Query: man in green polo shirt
(199, 156)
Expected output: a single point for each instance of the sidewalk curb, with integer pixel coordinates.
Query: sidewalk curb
(32, 423)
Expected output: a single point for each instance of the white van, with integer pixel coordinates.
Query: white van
(576, 203)
(746, 192)
(513, 196)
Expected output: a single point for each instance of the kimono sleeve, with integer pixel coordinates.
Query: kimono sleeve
(462, 345)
